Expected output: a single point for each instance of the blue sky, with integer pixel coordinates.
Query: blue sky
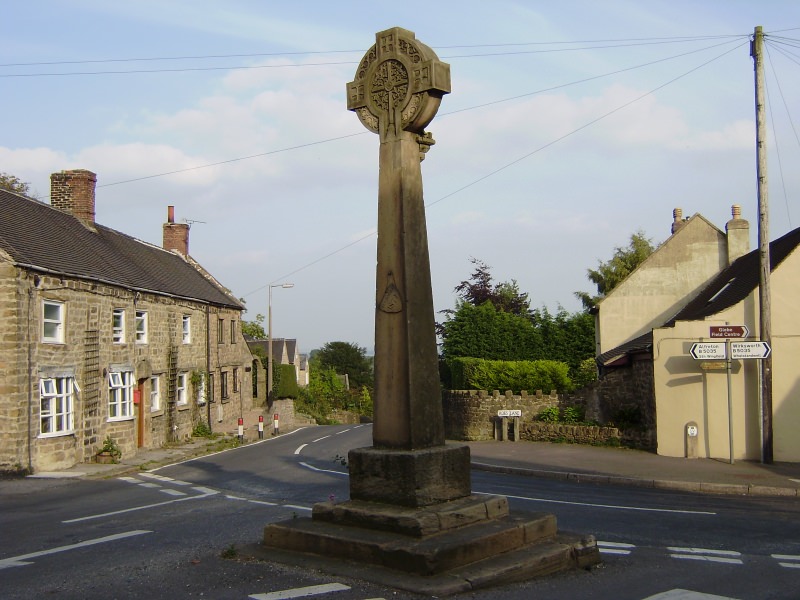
(570, 126)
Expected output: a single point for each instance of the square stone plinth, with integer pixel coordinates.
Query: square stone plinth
(410, 477)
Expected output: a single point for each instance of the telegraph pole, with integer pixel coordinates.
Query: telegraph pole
(764, 296)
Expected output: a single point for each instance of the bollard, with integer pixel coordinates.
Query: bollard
(241, 430)
(276, 425)
(261, 427)
(691, 439)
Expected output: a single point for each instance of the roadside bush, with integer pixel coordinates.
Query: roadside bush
(480, 374)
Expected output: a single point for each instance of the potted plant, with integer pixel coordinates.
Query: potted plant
(110, 452)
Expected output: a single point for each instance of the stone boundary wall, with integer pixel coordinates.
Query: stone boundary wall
(469, 415)
(532, 431)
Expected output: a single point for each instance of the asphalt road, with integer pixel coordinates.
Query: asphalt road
(163, 534)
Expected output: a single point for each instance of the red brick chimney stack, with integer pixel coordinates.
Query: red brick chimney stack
(73, 192)
(176, 235)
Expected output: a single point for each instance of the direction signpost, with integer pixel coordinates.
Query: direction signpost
(750, 350)
(728, 351)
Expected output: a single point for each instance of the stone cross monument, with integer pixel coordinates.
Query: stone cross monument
(411, 509)
(398, 87)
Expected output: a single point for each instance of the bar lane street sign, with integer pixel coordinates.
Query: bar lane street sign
(728, 331)
(750, 349)
(708, 350)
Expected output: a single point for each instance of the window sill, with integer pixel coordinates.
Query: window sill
(43, 436)
(157, 413)
(184, 406)
(119, 419)
(54, 342)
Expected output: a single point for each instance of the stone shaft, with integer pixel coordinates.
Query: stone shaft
(408, 408)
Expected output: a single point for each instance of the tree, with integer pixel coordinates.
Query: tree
(255, 329)
(609, 274)
(504, 296)
(349, 359)
(13, 183)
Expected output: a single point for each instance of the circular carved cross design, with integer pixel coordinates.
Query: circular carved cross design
(390, 85)
(399, 85)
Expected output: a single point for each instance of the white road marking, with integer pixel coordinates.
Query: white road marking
(148, 484)
(297, 506)
(129, 479)
(324, 437)
(303, 592)
(344, 431)
(705, 554)
(679, 594)
(169, 480)
(308, 466)
(782, 558)
(614, 547)
(611, 506)
(171, 492)
(145, 507)
(204, 456)
(300, 448)
(204, 490)
(18, 561)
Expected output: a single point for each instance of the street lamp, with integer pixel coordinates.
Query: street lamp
(269, 339)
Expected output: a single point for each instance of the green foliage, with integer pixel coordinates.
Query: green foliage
(496, 322)
(549, 415)
(480, 374)
(255, 329)
(202, 430)
(110, 446)
(230, 552)
(611, 273)
(14, 183)
(572, 414)
(585, 374)
(485, 332)
(286, 386)
(346, 358)
(504, 296)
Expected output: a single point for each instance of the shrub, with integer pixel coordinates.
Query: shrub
(548, 415)
(475, 373)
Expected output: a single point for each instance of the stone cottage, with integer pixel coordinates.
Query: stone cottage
(105, 335)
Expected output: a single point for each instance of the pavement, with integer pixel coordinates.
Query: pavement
(570, 462)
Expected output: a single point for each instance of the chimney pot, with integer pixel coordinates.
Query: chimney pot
(170, 214)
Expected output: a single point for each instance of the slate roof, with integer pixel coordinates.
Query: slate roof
(39, 237)
(727, 289)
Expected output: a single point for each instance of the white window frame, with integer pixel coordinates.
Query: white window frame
(56, 406)
(182, 389)
(201, 391)
(186, 324)
(57, 336)
(118, 326)
(155, 393)
(120, 395)
(140, 327)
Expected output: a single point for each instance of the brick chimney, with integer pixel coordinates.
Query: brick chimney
(738, 230)
(73, 192)
(677, 219)
(176, 235)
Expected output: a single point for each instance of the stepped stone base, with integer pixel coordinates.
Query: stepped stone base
(446, 548)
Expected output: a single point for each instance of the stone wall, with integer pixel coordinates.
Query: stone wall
(532, 431)
(469, 414)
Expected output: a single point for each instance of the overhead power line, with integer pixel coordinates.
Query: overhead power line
(512, 163)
